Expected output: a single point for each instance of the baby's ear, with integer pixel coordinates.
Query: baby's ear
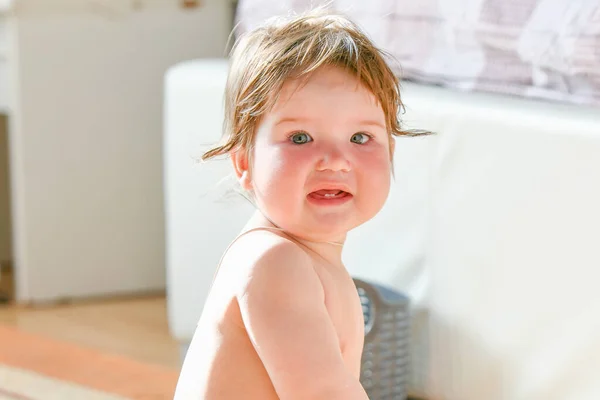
(241, 166)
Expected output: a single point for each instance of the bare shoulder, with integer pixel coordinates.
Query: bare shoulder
(266, 261)
(283, 309)
(282, 264)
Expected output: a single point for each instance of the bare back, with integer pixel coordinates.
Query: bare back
(276, 315)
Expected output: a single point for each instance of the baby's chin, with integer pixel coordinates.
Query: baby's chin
(319, 226)
(324, 230)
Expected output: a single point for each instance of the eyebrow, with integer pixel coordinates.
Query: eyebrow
(367, 122)
(370, 122)
(290, 120)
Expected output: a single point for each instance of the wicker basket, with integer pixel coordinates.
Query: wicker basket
(385, 359)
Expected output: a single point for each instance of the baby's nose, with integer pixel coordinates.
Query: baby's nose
(333, 159)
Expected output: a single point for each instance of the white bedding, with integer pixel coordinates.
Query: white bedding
(529, 48)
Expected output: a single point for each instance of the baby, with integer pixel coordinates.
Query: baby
(311, 114)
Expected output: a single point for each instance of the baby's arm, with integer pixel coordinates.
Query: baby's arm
(283, 308)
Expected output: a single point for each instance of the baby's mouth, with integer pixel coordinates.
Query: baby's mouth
(325, 194)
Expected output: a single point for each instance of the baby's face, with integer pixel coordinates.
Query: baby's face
(321, 163)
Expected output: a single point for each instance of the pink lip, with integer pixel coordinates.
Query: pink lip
(331, 186)
(336, 201)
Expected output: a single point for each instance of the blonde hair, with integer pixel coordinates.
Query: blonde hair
(288, 48)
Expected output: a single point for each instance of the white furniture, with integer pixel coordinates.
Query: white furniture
(200, 216)
(85, 129)
(492, 228)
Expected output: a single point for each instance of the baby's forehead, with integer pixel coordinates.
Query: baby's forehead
(331, 82)
(329, 77)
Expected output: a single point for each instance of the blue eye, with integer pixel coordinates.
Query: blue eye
(360, 138)
(301, 138)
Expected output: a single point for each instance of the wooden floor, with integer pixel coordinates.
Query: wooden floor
(135, 328)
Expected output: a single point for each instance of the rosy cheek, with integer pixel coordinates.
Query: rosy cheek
(374, 170)
(296, 157)
(278, 169)
(374, 160)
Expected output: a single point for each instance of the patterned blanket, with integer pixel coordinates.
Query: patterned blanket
(546, 49)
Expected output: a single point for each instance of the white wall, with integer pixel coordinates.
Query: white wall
(86, 138)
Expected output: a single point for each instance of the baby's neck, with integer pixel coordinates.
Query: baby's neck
(330, 251)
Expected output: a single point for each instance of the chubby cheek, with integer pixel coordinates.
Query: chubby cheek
(278, 175)
(374, 175)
